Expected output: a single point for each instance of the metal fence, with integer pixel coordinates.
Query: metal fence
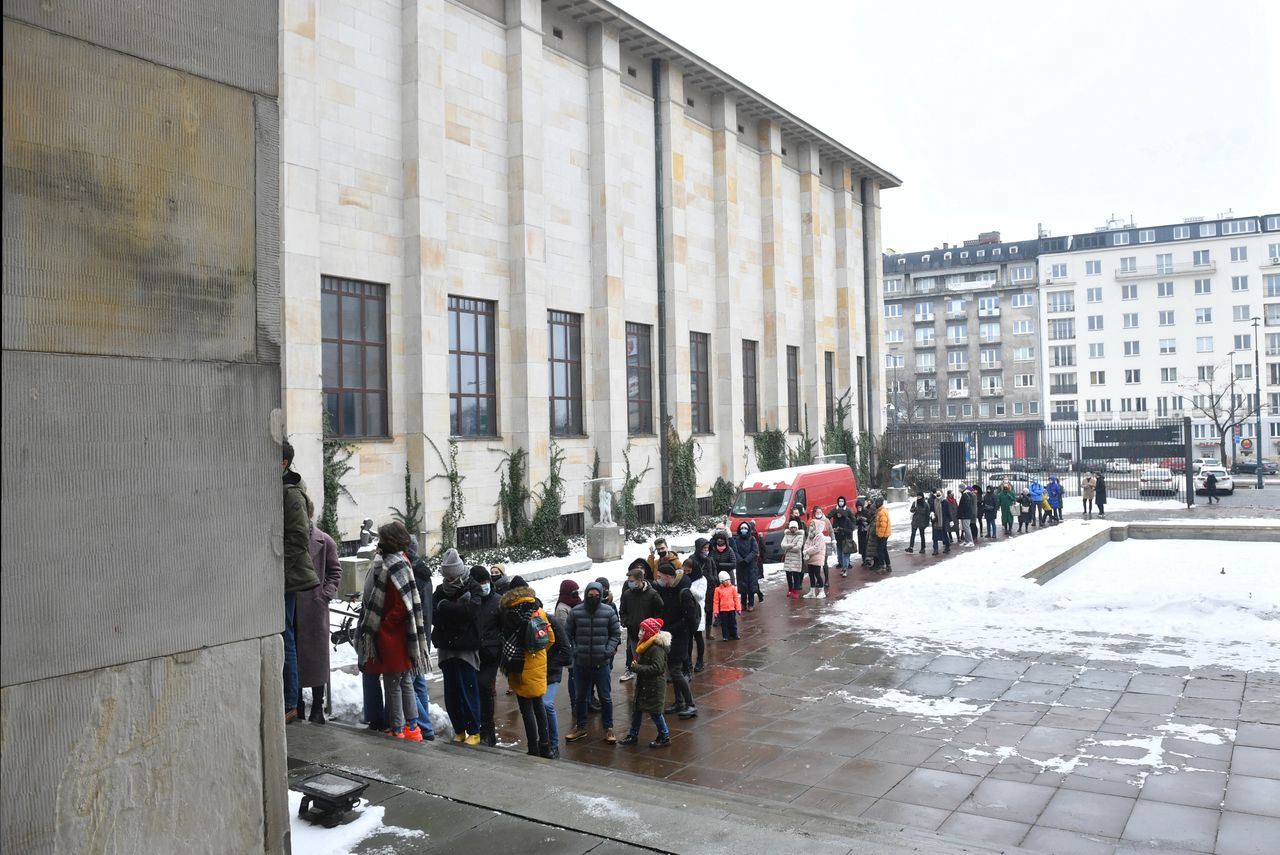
(1133, 455)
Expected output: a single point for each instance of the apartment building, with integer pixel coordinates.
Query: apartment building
(1137, 321)
(513, 224)
(961, 339)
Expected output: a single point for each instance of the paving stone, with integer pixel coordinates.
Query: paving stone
(1155, 684)
(1247, 834)
(800, 767)
(910, 750)
(1207, 708)
(1198, 789)
(1030, 692)
(512, 834)
(441, 821)
(1074, 810)
(833, 802)
(846, 741)
(1059, 842)
(934, 788)
(1145, 703)
(1054, 740)
(882, 677)
(1009, 800)
(1161, 824)
(1246, 794)
(1226, 690)
(956, 665)
(1107, 680)
(982, 689)
(1111, 786)
(865, 777)
(1267, 712)
(984, 828)
(1018, 712)
(929, 685)
(1058, 675)
(1256, 762)
(914, 816)
(1095, 699)
(1258, 735)
(1001, 669)
(1074, 718)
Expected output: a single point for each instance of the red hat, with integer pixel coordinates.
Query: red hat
(650, 627)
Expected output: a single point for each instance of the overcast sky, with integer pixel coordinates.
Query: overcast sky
(1001, 115)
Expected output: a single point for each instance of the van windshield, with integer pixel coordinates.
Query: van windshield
(760, 503)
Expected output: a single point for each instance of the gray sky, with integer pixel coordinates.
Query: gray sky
(999, 114)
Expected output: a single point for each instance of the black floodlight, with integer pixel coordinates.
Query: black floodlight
(326, 798)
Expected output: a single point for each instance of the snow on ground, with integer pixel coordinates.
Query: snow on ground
(348, 700)
(311, 839)
(1162, 603)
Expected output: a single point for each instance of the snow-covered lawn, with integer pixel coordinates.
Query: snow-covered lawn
(1161, 603)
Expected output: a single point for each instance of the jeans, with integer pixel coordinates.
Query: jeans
(549, 704)
(401, 702)
(637, 716)
(991, 525)
(842, 553)
(290, 651)
(486, 682)
(598, 677)
(534, 713)
(914, 529)
(631, 649)
(424, 705)
(375, 714)
(461, 696)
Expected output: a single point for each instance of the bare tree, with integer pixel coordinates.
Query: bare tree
(1212, 396)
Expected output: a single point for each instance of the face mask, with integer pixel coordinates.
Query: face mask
(742, 532)
(635, 585)
(704, 553)
(593, 603)
(485, 589)
(840, 503)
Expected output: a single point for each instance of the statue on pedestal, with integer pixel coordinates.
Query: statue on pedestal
(606, 509)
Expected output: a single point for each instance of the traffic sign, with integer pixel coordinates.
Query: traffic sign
(1246, 444)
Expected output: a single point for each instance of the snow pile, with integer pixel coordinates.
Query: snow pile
(1162, 603)
(318, 840)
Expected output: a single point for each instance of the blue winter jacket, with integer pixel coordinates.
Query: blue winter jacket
(1037, 492)
(1055, 493)
(745, 548)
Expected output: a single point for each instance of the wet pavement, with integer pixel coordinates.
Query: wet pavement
(1053, 753)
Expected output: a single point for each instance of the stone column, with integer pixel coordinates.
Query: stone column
(528, 417)
(423, 390)
(300, 358)
(814, 338)
(848, 236)
(675, 249)
(608, 372)
(771, 369)
(873, 299)
(728, 332)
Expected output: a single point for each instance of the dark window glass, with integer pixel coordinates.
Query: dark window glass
(353, 349)
(700, 381)
(829, 364)
(750, 397)
(639, 379)
(565, 366)
(473, 403)
(793, 389)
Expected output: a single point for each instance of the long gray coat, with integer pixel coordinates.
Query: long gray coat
(313, 612)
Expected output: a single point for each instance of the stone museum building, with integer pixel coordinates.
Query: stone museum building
(531, 223)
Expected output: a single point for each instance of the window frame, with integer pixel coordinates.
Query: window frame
(572, 396)
(750, 386)
(342, 288)
(640, 406)
(700, 368)
(793, 389)
(456, 306)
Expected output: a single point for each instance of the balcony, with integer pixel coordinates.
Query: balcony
(924, 319)
(927, 395)
(951, 366)
(931, 368)
(1058, 309)
(952, 341)
(956, 314)
(957, 393)
(1157, 271)
(993, 392)
(989, 313)
(1068, 416)
(989, 338)
(992, 366)
(1069, 389)
(930, 344)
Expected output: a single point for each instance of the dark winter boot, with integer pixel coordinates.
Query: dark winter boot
(489, 735)
(317, 706)
(544, 750)
(662, 741)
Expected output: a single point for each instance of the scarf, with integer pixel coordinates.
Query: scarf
(645, 645)
(392, 572)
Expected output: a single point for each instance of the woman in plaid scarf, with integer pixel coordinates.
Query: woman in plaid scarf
(391, 639)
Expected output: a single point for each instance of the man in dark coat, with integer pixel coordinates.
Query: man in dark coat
(746, 550)
(941, 522)
(843, 525)
(639, 602)
(866, 516)
(455, 633)
(313, 624)
(990, 505)
(490, 652)
(679, 617)
(299, 575)
(1100, 494)
(724, 560)
(596, 632)
(920, 514)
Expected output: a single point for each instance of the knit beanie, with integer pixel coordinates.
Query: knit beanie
(480, 575)
(451, 566)
(724, 576)
(650, 627)
(666, 568)
(518, 582)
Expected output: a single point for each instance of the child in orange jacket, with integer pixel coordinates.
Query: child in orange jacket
(728, 605)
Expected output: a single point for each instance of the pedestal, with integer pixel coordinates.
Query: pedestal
(604, 542)
(895, 494)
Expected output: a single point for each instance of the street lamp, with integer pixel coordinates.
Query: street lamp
(1257, 398)
(1232, 406)
(897, 402)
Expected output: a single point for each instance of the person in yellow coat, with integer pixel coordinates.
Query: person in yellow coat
(883, 530)
(526, 637)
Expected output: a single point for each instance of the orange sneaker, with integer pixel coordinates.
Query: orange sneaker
(411, 733)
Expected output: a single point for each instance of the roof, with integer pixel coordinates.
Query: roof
(787, 476)
(638, 37)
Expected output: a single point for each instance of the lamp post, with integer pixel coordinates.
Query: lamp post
(1232, 399)
(1257, 398)
(897, 401)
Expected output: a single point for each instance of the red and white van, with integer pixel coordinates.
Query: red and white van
(766, 498)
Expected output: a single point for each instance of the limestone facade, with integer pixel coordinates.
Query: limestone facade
(512, 153)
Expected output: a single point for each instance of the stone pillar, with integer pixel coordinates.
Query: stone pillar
(528, 417)
(608, 377)
(848, 236)
(424, 389)
(873, 299)
(773, 381)
(676, 250)
(300, 358)
(728, 332)
(814, 338)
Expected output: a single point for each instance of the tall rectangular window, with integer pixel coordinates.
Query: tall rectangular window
(473, 394)
(700, 381)
(353, 336)
(750, 396)
(829, 367)
(793, 389)
(564, 362)
(639, 379)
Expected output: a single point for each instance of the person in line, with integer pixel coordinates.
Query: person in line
(595, 632)
(865, 518)
(640, 601)
(559, 657)
(724, 560)
(659, 552)
(299, 574)
(1088, 484)
(820, 518)
(920, 514)
(1211, 488)
(964, 508)
(1026, 512)
(793, 559)
(1007, 500)
(940, 522)
(595, 703)
(313, 624)
(526, 635)
(422, 578)
(815, 555)
(490, 652)
(456, 636)
(1055, 498)
(568, 597)
(1100, 494)
(955, 518)
(391, 637)
(698, 568)
(746, 549)
(883, 530)
(843, 524)
(499, 579)
(1036, 492)
(728, 605)
(990, 506)
(679, 616)
(650, 663)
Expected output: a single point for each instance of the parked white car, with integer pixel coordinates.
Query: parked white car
(1225, 484)
(1200, 462)
(1157, 480)
(1119, 465)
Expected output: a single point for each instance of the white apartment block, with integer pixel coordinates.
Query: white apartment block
(522, 223)
(1132, 317)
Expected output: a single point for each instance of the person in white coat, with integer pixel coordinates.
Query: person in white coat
(793, 559)
(815, 555)
(698, 568)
